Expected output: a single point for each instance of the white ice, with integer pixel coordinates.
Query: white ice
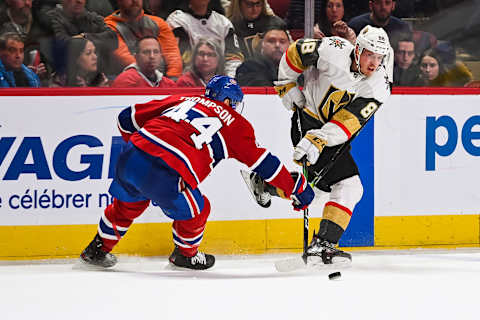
(411, 284)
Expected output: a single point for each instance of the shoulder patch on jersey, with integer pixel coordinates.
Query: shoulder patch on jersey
(336, 42)
(307, 52)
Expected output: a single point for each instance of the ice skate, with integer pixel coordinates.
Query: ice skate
(256, 186)
(94, 255)
(200, 261)
(323, 252)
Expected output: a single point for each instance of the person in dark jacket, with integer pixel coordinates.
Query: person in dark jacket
(73, 20)
(263, 69)
(405, 71)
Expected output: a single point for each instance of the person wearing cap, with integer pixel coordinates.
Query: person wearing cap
(344, 86)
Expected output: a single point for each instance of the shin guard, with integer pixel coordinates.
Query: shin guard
(188, 234)
(338, 211)
(116, 220)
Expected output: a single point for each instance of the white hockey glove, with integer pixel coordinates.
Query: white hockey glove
(290, 94)
(310, 146)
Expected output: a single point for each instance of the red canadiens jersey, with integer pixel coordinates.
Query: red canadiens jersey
(192, 134)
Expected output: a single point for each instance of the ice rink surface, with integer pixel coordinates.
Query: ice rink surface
(410, 284)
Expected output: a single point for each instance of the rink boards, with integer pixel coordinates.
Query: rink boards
(418, 161)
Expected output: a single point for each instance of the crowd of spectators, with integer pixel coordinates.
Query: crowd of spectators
(183, 43)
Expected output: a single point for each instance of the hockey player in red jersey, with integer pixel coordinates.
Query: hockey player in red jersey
(173, 144)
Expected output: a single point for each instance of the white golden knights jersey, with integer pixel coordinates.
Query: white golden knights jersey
(333, 92)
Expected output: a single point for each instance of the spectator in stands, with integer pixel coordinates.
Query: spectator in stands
(380, 16)
(144, 73)
(131, 24)
(207, 61)
(332, 22)
(13, 73)
(405, 71)
(201, 22)
(438, 68)
(250, 19)
(72, 19)
(82, 69)
(262, 70)
(17, 17)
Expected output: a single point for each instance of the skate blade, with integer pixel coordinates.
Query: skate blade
(171, 266)
(313, 264)
(80, 264)
(250, 187)
(246, 178)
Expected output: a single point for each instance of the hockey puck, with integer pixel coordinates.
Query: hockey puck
(335, 275)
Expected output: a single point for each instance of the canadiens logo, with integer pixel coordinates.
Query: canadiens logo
(337, 43)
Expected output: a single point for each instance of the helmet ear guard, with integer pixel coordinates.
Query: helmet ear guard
(220, 88)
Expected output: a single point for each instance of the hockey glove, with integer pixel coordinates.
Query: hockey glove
(290, 94)
(302, 194)
(310, 146)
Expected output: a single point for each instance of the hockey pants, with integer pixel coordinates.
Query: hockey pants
(139, 178)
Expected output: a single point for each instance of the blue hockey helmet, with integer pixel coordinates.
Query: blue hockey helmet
(220, 88)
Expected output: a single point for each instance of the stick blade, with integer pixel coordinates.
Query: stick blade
(291, 264)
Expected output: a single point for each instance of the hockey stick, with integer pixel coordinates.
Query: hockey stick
(305, 211)
(305, 217)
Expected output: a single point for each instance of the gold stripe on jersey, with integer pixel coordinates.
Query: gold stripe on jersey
(310, 113)
(283, 89)
(336, 215)
(293, 58)
(348, 120)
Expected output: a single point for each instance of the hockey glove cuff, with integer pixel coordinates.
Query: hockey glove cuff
(290, 94)
(302, 194)
(310, 146)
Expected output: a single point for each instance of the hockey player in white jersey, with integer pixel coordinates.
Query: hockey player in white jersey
(344, 85)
